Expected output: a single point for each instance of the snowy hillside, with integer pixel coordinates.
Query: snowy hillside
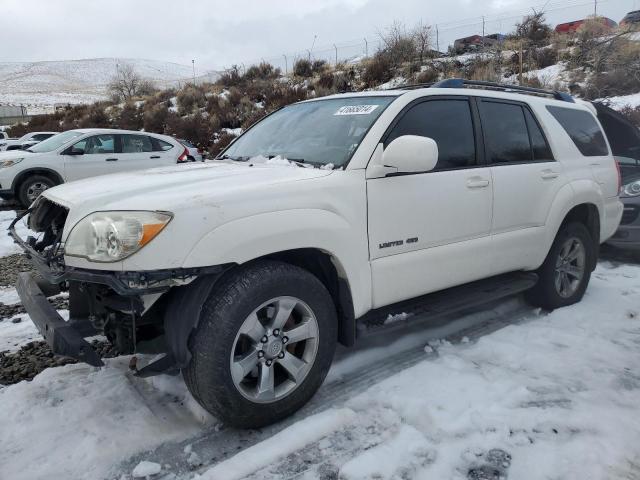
(39, 85)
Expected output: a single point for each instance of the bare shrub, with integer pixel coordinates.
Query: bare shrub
(429, 75)
(231, 77)
(398, 44)
(263, 71)
(377, 70)
(155, 118)
(195, 128)
(190, 98)
(95, 117)
(220, 143)
(303, 68)
(319, 66)
(326, 80)
(632, 114)
(130, 117)
(127, 84)
(534, 30)
(422, 35)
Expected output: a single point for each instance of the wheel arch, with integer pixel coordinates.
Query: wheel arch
(22, 176)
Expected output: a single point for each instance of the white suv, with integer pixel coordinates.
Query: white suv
(247, 271)
(77, 154)
(29, 137)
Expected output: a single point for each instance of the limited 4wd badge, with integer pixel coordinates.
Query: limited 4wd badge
(356, 110)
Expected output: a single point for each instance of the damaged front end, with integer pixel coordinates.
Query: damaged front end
(135, 311)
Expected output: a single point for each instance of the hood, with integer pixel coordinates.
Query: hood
(174, 187)
(7, 155)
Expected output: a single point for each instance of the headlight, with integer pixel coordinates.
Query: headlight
(632, 189)
(113, 236)
(10, 163)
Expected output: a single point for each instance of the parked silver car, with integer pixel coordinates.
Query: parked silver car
(195, 154)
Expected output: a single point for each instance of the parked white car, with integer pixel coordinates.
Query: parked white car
(3, 136)
(33, 136)
(77, 154)
(247, 271)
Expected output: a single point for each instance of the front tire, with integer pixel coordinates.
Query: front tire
(32, 187)
(565, 273)
(263, 345)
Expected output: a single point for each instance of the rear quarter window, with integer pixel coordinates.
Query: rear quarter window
(583, 129)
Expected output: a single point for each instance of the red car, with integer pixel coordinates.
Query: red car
(572, 27)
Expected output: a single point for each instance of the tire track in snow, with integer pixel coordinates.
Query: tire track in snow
(372, 360)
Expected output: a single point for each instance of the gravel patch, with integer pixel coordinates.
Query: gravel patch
(11, 266)
(7, 311)
(34, 357)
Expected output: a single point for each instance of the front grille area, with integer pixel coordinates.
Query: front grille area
(47, 220)
(630, 214)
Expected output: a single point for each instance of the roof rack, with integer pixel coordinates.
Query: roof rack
(501, 87)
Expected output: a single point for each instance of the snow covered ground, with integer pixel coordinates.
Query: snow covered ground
(548, 396)
(508, 391)
(40, 85)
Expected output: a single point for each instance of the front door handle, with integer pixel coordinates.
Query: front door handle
(111, 160)
(477, 182)
(155, 156)
(549, 174)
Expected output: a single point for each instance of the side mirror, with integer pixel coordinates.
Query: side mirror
(74, 151)
(411, 154)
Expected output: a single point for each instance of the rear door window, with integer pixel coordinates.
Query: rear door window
(161, 145)
(583, 129)
(136, 144)
(539, 146)
(505, 132)
(449, 123)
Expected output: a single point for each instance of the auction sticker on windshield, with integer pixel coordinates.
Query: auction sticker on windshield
(356, 109)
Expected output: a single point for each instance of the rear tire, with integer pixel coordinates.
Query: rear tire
(32, 187)
(565, 273)
(234, 373)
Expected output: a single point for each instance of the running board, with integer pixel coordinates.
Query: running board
(438, 304)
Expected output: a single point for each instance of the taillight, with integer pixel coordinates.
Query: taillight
(184, 157)
(619, 177)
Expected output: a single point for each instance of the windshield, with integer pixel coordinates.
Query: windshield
(318, 132)
(52, 143)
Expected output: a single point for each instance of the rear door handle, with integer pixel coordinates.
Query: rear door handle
(477, 182)
(111, 160)
(549, 174)
(155, 156)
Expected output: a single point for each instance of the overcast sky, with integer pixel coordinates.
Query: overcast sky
(220, 33)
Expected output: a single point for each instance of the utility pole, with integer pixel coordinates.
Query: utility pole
(334, 46)
(193, 64)
(315, 37)
(366, 48)
(595, 8)
(286, 65)
(483, 33)
(520, 74)
(437, 39)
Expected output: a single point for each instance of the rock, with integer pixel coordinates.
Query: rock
(16, 320)
(146, 469)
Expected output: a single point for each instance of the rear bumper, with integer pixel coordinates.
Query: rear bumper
(627, 235)
(61, 336)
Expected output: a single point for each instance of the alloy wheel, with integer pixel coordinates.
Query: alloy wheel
(570, 267)
(35, 189)
(274, 349)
